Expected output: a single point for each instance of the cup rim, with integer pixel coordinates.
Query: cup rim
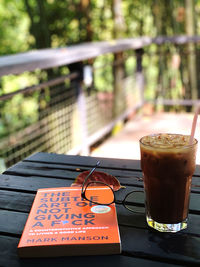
(195, 142)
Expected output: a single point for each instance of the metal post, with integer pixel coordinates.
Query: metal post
(119, 97)
(139, 76)
(81, 105)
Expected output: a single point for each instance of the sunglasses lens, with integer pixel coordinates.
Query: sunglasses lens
(134, 201)
(101, 194)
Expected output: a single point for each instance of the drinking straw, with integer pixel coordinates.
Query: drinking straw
(194, 124)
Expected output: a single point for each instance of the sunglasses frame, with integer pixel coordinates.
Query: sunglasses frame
(123, 202)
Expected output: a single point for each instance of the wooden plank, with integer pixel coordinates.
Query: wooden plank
(123, 173)
(194, 203)
(176, 248)
(32, 184)
(119, 173)
(63, 171)
(136, 220)
(49, 58)
(8, 257)
(126, 177)
(197, 170)
(20, 201)
(135, 240)
(28, 170)
(12, 222)
(85, 161)
(16, 201)
(8, 251)
(20, 183)
(48, 169)
(15, 212)
(27, 184)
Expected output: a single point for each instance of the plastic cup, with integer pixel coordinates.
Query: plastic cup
(167, 173)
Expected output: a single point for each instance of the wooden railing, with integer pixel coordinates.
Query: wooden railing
(49, 58)
(77, 115)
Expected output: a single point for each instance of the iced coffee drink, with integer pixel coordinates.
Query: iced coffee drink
(168, 163)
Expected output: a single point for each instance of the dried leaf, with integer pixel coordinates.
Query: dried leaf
(98, 176)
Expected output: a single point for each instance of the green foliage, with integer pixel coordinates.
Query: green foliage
(103, 73)
(12, 83)
(21, 110)
(138, 18)
(35, 24)
(18, 113)
(14, 24)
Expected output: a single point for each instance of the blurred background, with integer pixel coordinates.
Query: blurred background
(78, 74)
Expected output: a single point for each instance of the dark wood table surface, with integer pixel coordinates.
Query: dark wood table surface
(141, 245)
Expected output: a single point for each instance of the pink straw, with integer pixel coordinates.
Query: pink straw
(194, 124)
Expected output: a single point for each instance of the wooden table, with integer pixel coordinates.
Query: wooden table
(141, 246)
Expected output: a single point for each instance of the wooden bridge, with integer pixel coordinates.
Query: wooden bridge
(125, 143)
(73, 115)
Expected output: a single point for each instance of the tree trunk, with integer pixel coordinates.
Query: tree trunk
(163, 19)
(39, 29)
(119, 24)
(192, 64)
(45, 40)
(118, 68)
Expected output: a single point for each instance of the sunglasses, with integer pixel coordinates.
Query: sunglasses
(106, 199)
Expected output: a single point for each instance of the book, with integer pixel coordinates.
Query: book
(61, 223)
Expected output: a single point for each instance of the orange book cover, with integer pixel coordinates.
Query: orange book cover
(61, 223)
